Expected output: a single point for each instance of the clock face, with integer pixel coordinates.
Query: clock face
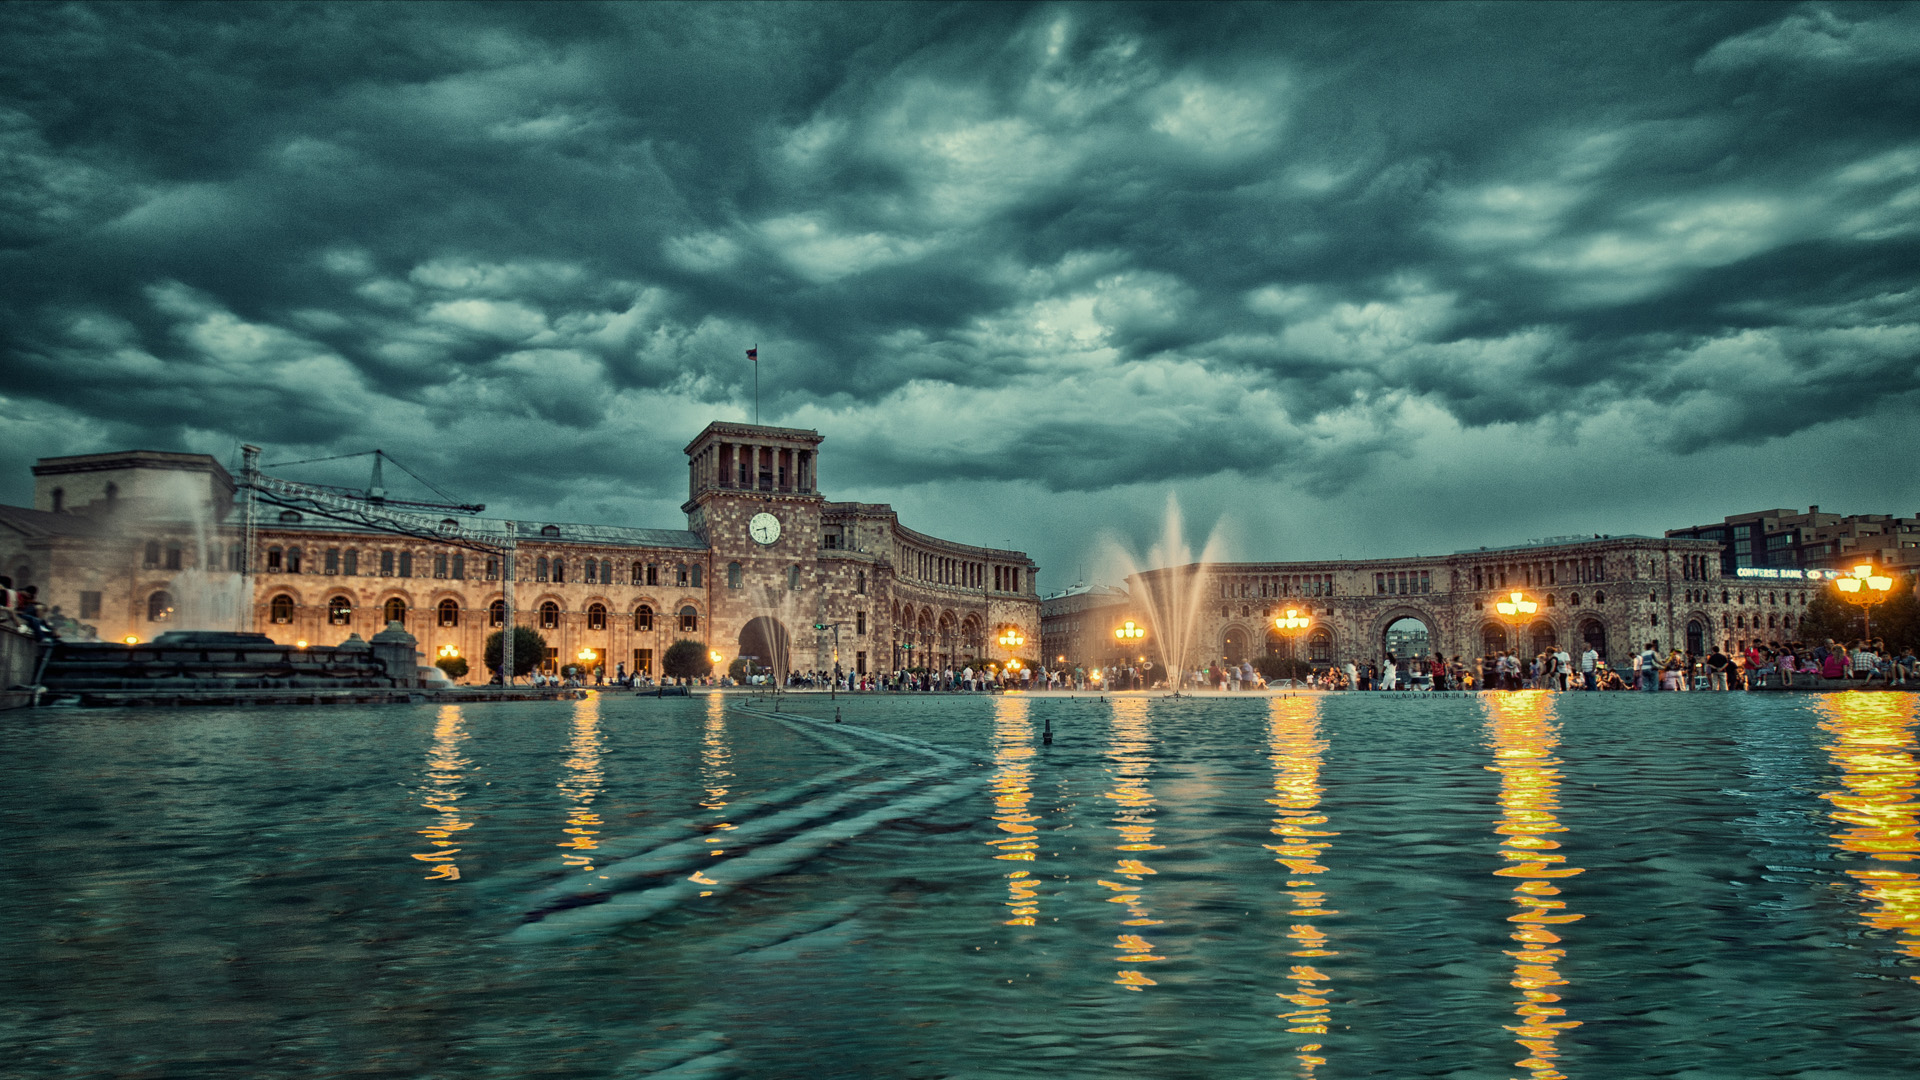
(764, 528)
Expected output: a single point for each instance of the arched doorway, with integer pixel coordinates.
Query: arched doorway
(1234, 645)
(1493, 639)
(1278, 644)
(764, 644)
(1594, 633)
(1405, 638)
(1696, 637)
(1543, 636)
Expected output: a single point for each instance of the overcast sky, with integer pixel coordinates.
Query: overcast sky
(1351, 280)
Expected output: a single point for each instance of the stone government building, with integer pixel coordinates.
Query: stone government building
(140, 542)
(1614, 592)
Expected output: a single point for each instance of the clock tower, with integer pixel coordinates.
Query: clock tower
(753, 496)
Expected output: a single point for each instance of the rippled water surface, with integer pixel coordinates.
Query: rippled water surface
(1522, 885)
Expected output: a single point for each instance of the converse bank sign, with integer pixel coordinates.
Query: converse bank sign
(1810, 575)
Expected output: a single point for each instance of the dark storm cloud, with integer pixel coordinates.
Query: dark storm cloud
(1081, 247)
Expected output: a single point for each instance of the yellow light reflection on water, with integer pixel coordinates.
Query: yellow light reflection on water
(714, 756)
(581, 784)
(1129, 750)
(1520, 724)
(1012, 791)
(442, 793)
(1872, 737)
(1294, 748)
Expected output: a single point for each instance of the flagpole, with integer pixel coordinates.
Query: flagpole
(756, 385)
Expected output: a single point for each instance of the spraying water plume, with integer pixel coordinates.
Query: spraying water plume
(1168, 583)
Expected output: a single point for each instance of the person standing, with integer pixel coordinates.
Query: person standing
(1717, 663)
(1589, 662)
(1650, 667)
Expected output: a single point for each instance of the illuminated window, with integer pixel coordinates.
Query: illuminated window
(339, 611)
(1320, 647)
(549, 615)
(280, 608)
(160, 607)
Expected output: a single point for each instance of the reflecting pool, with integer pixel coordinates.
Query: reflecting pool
(1519, 885)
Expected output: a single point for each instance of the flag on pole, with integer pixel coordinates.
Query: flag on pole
(753, 354)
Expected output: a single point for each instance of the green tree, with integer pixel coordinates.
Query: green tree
(1282, 667)
(686, 660)
(529, 650)
(740, 669)
(1895, 619)
(454, 666)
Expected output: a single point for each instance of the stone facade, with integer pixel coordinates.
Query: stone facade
(1617, 592)
(137, 543)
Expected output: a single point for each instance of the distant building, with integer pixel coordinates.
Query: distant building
(139, 542)
(1788, 539)
(1612, 592)
(1077, 627)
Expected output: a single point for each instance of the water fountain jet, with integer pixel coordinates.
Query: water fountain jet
(1169, 586)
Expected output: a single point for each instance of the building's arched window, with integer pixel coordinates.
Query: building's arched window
(1550, 600)
(793, 576)
(696, 575)
(592, 575)
(280, 608)
(289, 517)
(1599, 598)
(497, 613)
(1574, 599)
(1320, 646)
(339, 611)
(689, 620)
(293, 560)
(160, 606)
(860, 582)
(449, 613)
(559, 569)
(276, 559)
(395, 611)
(643, 617)
(639, 574)
(681, 575)
(733, 575)
(597, 617)
(550, 616)
(540, 568)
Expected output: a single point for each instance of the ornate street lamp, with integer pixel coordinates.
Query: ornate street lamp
(1516, 609)
(1129, 632)
(1012, 638)
(448, 650)
(1291, 624)
(1865, 588)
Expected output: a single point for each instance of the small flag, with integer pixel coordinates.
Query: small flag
(753, 354)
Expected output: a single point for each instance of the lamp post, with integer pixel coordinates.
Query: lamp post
(1291, 624)
(1865, 588)
(1516, 609)
(1129, 633)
